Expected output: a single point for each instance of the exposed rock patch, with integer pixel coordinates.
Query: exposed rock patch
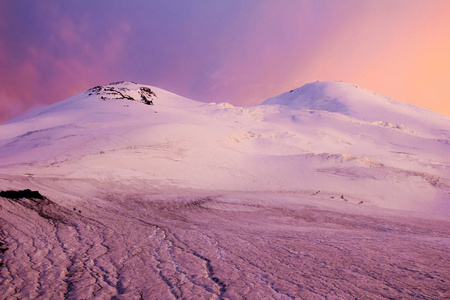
(146, 95)
(28, 194)
(117, 90)
(33, 200)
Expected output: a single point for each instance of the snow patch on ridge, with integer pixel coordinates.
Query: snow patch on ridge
(389, 125)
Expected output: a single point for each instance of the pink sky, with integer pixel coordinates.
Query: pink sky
(235, 51)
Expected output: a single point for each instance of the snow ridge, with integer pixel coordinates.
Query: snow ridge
(355, 101)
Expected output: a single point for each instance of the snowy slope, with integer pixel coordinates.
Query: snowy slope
(353, 145)
(357, 102)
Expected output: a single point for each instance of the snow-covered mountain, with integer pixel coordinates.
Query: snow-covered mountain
(330, 136)
(127, 191)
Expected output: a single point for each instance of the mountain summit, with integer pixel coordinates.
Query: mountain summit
(334, 96)
(355, 101)
(124, 90)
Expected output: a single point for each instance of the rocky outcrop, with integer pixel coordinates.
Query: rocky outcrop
(146, 95)
(124, 90)
(28, 194)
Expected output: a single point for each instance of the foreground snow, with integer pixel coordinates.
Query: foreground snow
(227, 246)
(326, 191)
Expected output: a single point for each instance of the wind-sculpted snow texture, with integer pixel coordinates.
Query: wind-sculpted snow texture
(282, 246)
(325, 192)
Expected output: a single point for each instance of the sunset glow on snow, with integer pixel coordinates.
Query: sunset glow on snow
(224, 149)
(233, 51)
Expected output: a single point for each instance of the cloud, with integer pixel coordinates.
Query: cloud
(57, 63)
